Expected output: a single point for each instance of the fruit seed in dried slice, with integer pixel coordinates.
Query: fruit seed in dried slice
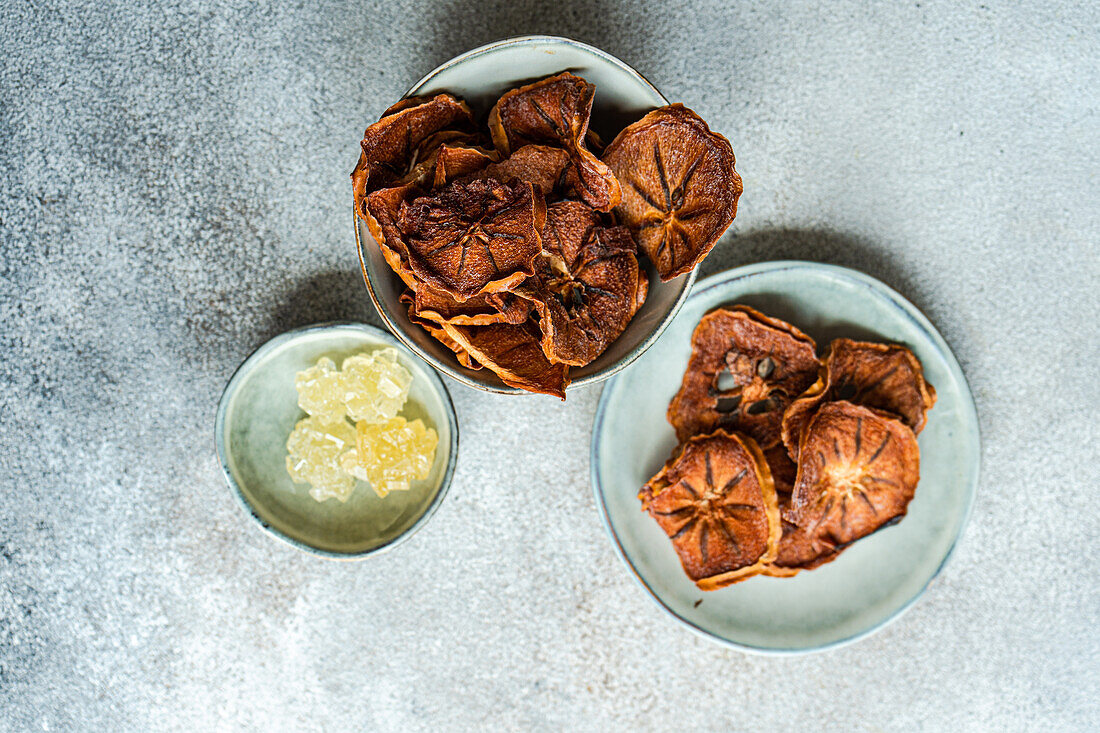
(745, 369)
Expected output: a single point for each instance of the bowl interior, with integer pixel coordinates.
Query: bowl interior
(480, 77)
(878, 576)
(260, 408)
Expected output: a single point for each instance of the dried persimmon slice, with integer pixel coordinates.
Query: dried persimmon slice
(473, 237)
(513, 353)
(679, 186)
(542, 165)
(716, 501)
(456, 161)
(745, 369)
(436, 331)
(587, 296)
(858, 469)
(883, 376)
(389, 145)
(556, 111)
(480, 310)
(381, 211)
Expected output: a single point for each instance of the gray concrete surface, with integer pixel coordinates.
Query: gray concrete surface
(173, 191)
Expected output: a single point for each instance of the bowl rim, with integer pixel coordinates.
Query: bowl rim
(967, 405)
(450, 369)
(246, 367)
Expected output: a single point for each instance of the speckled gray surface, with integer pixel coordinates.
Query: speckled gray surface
(173, 191)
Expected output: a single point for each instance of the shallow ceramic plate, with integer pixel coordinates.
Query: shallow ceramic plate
(480, 77)
(872, 581)
(259, 409)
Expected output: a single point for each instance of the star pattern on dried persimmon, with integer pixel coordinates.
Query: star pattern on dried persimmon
(710, 509)
(670, 213)
(846, 479)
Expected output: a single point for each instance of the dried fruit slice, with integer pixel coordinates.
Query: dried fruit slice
(745, 369)
(716, 501)
(857, 472)
(456, 161)
(436, 331)
(513, 354)
(473, 237)
(568, 226)
(680, 188)
(388, 145)
(555, 111)
(382, 209)
(542, 165)
(587, 296)
(480, 310)
(883, 376)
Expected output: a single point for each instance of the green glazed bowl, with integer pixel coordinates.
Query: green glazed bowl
(258, 410)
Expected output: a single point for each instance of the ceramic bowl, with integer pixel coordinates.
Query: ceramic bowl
(480, 77)
(257, 412)
(876, 578)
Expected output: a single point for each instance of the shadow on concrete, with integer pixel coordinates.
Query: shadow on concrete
(326, 296)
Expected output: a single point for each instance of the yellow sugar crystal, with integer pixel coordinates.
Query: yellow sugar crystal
(320, 392)
(313, 457)
(390, 454)
(375, 385)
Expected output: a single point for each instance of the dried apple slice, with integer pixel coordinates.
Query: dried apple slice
(745, 369)
(388, 145)
(858, 469)
(513, 353)
(883, 376)
(679, 186)
(473, 237)
(716, 501)
(556, 111)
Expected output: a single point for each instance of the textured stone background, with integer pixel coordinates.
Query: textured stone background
(173, 191)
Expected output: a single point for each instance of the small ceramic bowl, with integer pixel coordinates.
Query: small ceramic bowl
(480, 77)
(257, 412)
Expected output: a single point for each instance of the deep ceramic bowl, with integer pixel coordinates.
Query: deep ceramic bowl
(480, 77)
(875, 579)
(258, 410)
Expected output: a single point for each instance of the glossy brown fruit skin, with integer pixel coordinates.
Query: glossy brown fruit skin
(555, 111)
(389, 146)
(473, 237)
(883, 376)
(769, 362)
(679, 186)
(716, 501)
(857, 472)
(513, 353)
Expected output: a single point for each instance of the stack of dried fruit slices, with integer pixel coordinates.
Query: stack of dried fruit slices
(519, 249)
(785, 460)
